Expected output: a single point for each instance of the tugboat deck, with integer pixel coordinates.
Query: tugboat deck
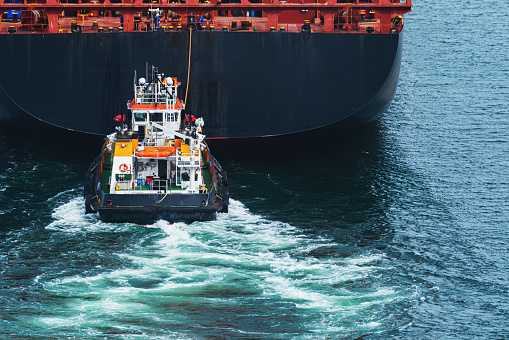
(106, 172)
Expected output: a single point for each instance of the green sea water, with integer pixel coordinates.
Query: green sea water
(399, 232)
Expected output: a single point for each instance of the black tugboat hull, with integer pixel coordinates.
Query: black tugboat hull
(246, 86)
(149, 208)
(150, 215)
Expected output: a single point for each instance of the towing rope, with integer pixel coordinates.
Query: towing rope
(188, 63)
(159, 202)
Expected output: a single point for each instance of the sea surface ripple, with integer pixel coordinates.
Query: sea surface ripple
(401, 232)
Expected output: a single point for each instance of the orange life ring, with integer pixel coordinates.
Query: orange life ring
(123, 167)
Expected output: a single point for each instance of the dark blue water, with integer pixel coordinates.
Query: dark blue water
(401, 233)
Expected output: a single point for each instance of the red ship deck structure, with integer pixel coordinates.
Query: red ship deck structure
(66, 16)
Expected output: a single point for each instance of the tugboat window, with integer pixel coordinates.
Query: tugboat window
(140, 116)
(156, 117)
(170, 117)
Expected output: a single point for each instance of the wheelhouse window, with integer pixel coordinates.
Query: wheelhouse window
(171, 117)
(156, 117)
(140, 116)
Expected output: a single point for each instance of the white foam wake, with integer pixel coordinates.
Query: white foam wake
(241, 261)
(70, 217)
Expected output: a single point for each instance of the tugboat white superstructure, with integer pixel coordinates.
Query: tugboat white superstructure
(157, 165)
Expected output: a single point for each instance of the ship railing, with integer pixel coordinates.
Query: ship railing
(92, 173)
(157, 185)
(361, 2)
(189, 159)
(215, 163)
(149, 142)
(151, 94)
(219, 179)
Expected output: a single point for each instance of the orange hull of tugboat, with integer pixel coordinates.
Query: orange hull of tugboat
(157, 152)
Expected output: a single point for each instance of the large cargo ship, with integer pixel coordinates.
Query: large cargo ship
(253, 69)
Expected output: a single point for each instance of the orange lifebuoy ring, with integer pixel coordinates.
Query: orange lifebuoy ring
(123, 167)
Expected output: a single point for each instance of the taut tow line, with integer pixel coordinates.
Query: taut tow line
(188, 63)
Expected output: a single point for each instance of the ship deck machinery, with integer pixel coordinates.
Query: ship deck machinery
(256, 69)
(64, 16)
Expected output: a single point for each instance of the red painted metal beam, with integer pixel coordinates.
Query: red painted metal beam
(195, 5)
(385, 10)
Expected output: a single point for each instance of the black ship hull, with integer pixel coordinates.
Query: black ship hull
(245, 85)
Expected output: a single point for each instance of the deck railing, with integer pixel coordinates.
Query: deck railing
(153, 94)
(159, 185)
(125, 17)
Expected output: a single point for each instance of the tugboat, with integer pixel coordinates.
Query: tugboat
(157, 164)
